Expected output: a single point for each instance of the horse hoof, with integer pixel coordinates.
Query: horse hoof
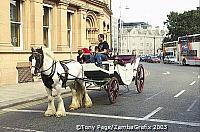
(88, 106)
(60, 114)
(73, 107)
(49, 113)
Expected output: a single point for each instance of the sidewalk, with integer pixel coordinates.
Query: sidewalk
(11, 95)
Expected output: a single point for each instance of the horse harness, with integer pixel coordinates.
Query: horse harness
(48, 80)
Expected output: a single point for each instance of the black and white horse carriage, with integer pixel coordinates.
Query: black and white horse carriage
(120, 70)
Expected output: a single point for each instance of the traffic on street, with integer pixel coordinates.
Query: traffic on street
(170, 102)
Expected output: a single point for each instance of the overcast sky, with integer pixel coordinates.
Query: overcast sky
(152, 11)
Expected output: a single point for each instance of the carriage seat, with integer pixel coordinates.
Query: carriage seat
(124, 59)
(86, 58)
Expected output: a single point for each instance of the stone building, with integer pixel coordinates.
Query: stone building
(64, 26)
(140, 38)
(114, 34)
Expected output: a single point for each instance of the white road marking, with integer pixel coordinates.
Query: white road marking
(26, 111)
(192, 83)
(191, 106)
(152, 113)
(166, 73)
(195, 124)
(198, 76)
(19, 129)
(179, 93)
(153, 96)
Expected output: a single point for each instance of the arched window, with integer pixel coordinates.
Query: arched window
(91, 27)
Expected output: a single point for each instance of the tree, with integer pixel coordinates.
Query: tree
(181, 24)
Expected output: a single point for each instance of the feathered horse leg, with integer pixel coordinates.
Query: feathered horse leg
(75, 99)
(61, 108)
(84, 95)
(51, 110)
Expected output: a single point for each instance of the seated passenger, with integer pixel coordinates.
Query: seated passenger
(80, 56)
(102, 51)
(84, 56)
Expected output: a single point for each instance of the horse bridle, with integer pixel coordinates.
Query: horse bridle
(39, 63)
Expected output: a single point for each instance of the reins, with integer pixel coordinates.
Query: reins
(53, 66)
(54, 62)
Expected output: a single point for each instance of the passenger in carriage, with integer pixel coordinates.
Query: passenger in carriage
(80, 56)
(84, 55)
(102, 51)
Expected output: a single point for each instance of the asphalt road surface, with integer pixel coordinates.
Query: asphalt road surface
(170, 102)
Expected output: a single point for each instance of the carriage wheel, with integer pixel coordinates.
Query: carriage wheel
(113, 89)
(139, 81)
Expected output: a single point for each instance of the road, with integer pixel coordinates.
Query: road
(170, 102)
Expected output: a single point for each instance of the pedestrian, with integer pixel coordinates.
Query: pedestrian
(102, 51)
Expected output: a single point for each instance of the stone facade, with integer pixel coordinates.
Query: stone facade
(114, 34)
(64, 26)
(141, 39)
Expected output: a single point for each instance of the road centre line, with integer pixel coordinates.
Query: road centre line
(152, 113)
(166, 73)
(153, 96)
(191, 106)
(179, 93)
(194, 124)
(192, 83)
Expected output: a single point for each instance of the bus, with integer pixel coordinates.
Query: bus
(170, 48)
(189, 49)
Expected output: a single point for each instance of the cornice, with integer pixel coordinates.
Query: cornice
(98, 3)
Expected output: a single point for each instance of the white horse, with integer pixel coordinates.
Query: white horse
(58, 74)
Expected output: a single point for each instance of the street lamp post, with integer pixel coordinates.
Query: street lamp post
(154, 45)
(121, 28)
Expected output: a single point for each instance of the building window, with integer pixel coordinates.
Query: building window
(16, 23)
(46, 26)
(69, 28)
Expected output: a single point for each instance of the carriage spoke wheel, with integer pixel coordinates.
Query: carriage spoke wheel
(139, 81)
(113, 90)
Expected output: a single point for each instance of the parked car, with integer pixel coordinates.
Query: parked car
(153, 59)
(170, 60)
(142, 58)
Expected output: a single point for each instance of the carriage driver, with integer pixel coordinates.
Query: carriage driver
(102, 52)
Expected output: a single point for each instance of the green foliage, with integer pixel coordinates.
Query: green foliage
(182, 24)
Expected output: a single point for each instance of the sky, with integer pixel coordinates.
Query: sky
(152, 11)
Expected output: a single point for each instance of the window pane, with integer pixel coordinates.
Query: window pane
(46, 26)
(15, 10)
(45, 36)
(69, 27)
(46, 17)
(15, 34)
(68, 20)
(68, 38)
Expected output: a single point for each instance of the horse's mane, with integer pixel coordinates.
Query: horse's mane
(48, 52)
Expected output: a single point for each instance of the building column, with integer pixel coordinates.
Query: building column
(36, 23)
(5, 39)
(62, 27)
(100, 21)
(82, 28)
